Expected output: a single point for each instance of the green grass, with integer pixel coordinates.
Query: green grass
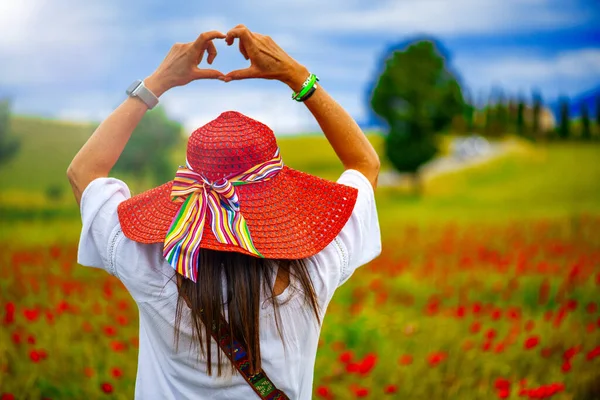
(552, 180)
(545, 181)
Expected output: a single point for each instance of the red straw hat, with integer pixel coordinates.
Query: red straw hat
(293, 215)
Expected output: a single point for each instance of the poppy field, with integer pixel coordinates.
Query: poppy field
(448, 311)
(488, 287)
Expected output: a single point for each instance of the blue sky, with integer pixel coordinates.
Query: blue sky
(73, 59)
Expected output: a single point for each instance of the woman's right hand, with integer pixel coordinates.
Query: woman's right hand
(267, 59)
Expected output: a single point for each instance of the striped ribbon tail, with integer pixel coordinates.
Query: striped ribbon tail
(220, 199)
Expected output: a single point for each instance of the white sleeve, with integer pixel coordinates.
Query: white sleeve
(360, 239)
(100, 222)
(358, 242)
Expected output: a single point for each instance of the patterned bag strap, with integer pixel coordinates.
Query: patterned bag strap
(259, 382)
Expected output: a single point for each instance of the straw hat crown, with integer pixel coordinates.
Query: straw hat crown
(230, 144)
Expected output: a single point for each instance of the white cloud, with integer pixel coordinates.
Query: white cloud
(442, 17)
(59, 57)
(46, 42)
(568, 72)
(271, 105)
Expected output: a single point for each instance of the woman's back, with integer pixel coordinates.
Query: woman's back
(165, 372)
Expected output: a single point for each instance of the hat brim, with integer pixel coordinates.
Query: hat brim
(294, 215)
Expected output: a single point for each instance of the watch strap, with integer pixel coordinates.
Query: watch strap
(139, 90)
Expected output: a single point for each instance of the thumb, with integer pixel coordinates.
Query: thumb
(246, 73)
(201, 73)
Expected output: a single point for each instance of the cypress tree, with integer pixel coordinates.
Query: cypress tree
(537, 110)
(565, 122)
(585, 122)
(521, 130)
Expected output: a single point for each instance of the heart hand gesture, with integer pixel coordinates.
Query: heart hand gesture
(180, 66)
(267, 59)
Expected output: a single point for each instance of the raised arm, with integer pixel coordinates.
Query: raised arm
(269, 61)
(102, 150)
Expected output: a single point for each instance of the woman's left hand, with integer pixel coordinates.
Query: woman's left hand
(180, 66)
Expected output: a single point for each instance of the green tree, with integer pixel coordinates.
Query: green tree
(147, 152)
(598, 113)
(9, 146)
(418, 96)
(536, 113)
(520, 122)
(564, 128)
(586, 132)
(501, 113)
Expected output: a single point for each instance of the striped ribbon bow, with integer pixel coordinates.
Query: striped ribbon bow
(182, 243)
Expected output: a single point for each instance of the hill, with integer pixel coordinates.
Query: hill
(48, 146)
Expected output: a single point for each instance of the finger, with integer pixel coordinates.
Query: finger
(200, 42)
(240, 33)
(201, 73)
(212, 52)
(243, 51)
(246, 73)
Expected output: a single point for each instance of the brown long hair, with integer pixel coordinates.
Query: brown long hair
(244, 277)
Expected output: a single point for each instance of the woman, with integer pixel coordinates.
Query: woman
(233, 263)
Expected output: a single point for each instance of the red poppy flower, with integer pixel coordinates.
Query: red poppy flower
(406, 359)
(499, 347)
(591, 308)
(390, 389)
(487, 345)
(496, 314)
(323, 391)
(502, 383)
(7, 396)
(490, 334)
(352, 367)
(346, 357)
(116, 372)
(9, 313)
(31, 339)
(34, 356)
(368, 363)
(106, 388)
(514, 313)
(16, 338)
(122, 320)
(566, 367)
(571, 352)
(88, 371)
(529, 325)
(475, 327)
(118, 346)
(361, 392)
(595, 352)
(531, 342)
(110, 330)
(436, 358)
(31, 314)
(49, 317)
(62, 307)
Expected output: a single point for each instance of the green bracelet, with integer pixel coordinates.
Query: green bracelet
(306, 87)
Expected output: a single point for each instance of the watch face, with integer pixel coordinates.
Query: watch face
(133, 86)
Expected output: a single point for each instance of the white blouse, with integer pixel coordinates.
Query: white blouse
(164, 373)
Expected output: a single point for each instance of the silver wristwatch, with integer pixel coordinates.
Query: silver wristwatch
(139, 90)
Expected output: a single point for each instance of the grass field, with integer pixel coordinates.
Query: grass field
(487, 286)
